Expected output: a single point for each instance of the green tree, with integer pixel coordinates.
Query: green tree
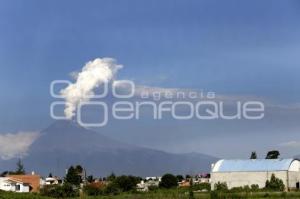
(254, 187)
(73, 176)
(79, 169)
(253, 155)
(179, 178)
(112, 188)
(90, 178)
(274, 184)
(221, 186)
(273, 154)
(111, 177)
(20, 170)
(168, 181)
(126, 183)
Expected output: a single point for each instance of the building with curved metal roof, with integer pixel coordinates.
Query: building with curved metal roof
(237, 173)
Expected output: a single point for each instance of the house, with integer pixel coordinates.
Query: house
(98, 184)
(237, 173)
(142, 186)
(148, 182)
(184, 183)
(201, 178)
(8, 184)
(153, 178)
(52, 181)
(20, 183)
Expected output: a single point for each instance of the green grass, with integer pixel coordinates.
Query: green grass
(10, 195)
(165, 194)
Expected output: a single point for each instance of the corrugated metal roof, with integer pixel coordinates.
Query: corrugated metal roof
(252, 165)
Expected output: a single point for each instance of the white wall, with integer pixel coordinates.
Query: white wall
(11, 186)
(295, 166)
(294, 177)
(6, 186)
(237, 179)
(23, 188)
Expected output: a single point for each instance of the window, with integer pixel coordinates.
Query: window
(18, 187)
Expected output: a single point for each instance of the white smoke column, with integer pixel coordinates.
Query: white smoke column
(93, 74)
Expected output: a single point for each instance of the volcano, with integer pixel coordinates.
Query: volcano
(66, 143)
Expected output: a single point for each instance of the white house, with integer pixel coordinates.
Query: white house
(148, 182)
(8, 184)
(51, 181)
(236, 173)
(155, 178)
(142, 186)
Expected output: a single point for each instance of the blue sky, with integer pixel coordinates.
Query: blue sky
(247, 48)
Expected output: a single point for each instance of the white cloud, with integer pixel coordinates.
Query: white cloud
(16, 145)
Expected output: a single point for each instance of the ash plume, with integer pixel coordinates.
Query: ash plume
(93, 74)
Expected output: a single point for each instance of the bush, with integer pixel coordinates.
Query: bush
(237, 189)
(59, 191)
(92, 190)
(254, 187)
(112, 189)
(221, 186)
(168, 181)
(126, 183)
(201, 186)
(274, 184)
(245, 188)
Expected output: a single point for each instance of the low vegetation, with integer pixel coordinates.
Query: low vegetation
(166, 194)
(125, 187)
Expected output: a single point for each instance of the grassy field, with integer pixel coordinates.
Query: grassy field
(166, 194)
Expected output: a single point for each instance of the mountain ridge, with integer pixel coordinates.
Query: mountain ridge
(65, 143)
